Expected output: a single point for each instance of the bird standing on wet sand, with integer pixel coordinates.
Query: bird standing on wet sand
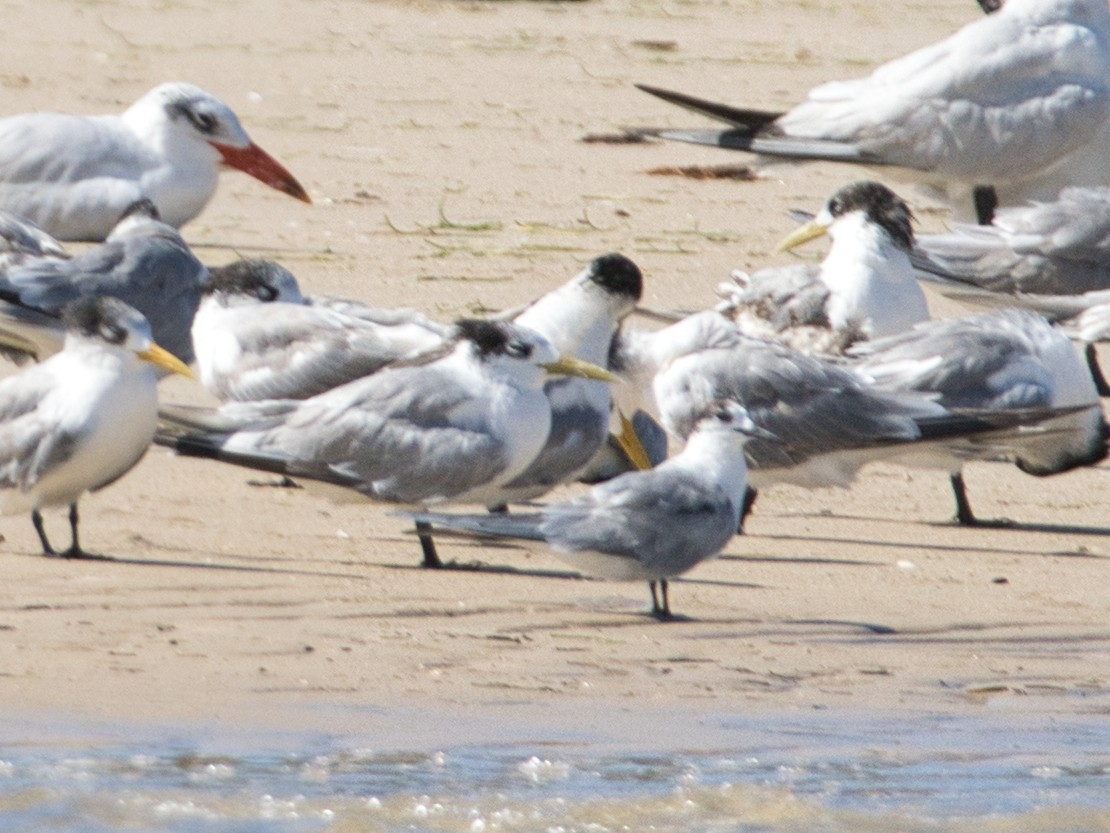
(644, 525)
(84, 417)
(75, 175)
(1018, 100)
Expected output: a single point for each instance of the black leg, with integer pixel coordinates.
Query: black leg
(1091, 354)
(986, 201)
(428, 546)
(964, 515)
(659, 610)
(36, 519)
(750, 496)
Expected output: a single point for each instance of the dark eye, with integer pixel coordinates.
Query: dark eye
(836, 206)
(204, 122)
(265, 293)
(518, 349)
(112, 333)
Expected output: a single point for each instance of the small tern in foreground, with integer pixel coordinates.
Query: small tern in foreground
(74, 175)
(84, 417)
(644, 525)
(1018, 100)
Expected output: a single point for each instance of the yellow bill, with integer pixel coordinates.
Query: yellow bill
(803, 234)
(571, 366)
(630, 444)
(163, 358)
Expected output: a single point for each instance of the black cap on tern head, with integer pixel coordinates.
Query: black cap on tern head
(100, 316)
(617, 274)
(493, 337)
(242, 277)
(882, 206)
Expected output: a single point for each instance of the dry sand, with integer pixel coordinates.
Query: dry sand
(441, 142)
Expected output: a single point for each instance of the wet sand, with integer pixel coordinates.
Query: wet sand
(442, 144)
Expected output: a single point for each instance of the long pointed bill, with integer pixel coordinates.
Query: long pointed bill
(630, 444)
(570, 366)
(803, 234)
(254, 161)
(160, 357)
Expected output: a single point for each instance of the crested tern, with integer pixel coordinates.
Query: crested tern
(1008, 360)
(453, 425)
(84, 417)
(1018, 100)
(864, 288)
(257, 337)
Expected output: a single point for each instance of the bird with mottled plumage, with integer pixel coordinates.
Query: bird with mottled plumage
(864, 288)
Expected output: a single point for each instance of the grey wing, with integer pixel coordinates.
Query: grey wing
(812, 406)
(579, 426)
(294, 351)
(983, 361)
(664, 519)
(1058, 248)
(22, 240)
(29, 444)
(395, 433)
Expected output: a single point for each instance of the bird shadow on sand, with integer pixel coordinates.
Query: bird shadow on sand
(992, 525)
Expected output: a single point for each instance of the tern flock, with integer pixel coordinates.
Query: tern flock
(797, 375)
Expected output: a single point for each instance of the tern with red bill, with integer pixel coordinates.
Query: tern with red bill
(75, 175)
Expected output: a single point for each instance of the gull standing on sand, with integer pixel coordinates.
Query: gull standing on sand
(865, 287)
(1018, 100)
(75, 175)
(644, 525)
(453, 425)
(84, 417)
(144, 262)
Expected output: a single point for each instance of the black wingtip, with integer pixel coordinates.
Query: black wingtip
(744, 119)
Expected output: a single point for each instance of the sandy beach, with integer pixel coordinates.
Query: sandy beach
(443, 145)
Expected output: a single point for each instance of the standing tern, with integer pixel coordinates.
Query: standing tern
(1005, 360)
(644, 525)
(257, 337)
(831, 419)
(84, 417)
(864, 288)
(74, 175)
(143, 262)
(453, 425)
(1018, 100)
